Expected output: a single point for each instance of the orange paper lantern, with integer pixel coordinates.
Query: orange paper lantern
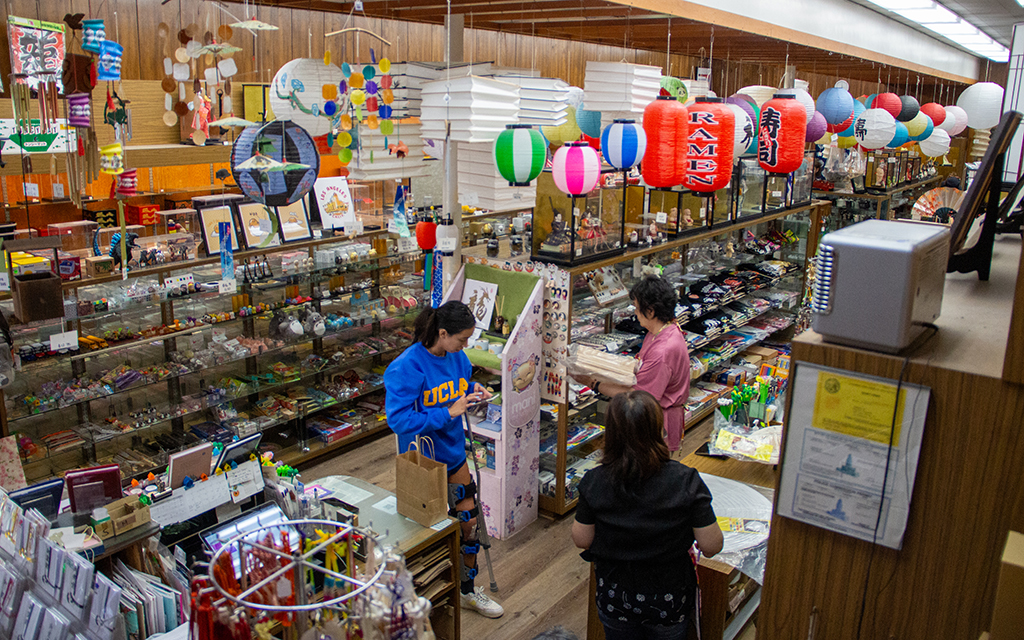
(781, 135)
(665, 156)
(709, 147)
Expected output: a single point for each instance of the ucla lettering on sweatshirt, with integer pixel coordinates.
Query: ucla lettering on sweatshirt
(419, 388)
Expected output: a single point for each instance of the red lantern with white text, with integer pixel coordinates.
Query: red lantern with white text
(664, 158)
(781, 134)
(711, 124)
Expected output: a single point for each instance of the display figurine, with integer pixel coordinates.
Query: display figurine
(634, 238)
(492, 248)
(730, 249)
(115, 247)
(687, 218)
(201, 119)
(558, 236)
(652, 232)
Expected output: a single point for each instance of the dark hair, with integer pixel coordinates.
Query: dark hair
(654, 294)
(556, 633)
(452, 316)
(634, 447)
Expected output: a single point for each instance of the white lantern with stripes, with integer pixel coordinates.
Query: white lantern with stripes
(623, 143)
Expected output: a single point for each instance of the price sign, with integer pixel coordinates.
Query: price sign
(31, 190)
(392, 226)
(58, 190)
(5, 281)
(406, 245)
(64, 341)
(447, 244)
(661, 217)
(228, 285)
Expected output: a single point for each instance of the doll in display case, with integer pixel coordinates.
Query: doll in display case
(558, 237)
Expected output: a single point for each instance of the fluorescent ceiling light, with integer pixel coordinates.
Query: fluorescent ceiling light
(895, 5)
(941, 21)
(954, 29)
(928, 16)
(971, 40)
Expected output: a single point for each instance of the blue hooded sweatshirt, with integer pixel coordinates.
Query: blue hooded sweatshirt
(419, 388)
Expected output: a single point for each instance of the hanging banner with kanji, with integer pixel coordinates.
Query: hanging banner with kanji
(36, 48)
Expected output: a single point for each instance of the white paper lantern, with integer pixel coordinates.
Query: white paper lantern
(961, 119)
(374, 162)
(481, 184)
(983, 103)
(296, 93)
(874, 128)
(620, 90)
(760, 93)
(805, 99)
(936, 145)
(543, 102)
(743, 134)
(477, 108)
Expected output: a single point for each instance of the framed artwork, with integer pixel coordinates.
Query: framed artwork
(294, 222)
(259, 225)
(209, 219)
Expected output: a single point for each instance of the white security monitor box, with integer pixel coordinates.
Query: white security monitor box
(879, 283)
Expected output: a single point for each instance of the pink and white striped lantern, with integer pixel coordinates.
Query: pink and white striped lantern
(576, 169)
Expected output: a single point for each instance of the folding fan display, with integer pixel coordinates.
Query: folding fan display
(938, 205)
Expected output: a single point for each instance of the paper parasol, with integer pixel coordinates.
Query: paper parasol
(218, 48)
(254, 25)
(232, 121)
(261, 163)
(286, 166)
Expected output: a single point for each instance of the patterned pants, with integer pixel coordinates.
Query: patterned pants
(638, 615)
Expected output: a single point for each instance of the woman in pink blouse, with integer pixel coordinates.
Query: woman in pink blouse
(664, 359)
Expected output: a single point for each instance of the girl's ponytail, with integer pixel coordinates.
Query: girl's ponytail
(453, 316)
(425, 328)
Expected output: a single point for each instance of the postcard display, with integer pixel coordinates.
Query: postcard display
(508, 493)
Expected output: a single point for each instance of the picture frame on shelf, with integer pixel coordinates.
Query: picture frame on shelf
(259, 224)
(209, 218)
(293, 222)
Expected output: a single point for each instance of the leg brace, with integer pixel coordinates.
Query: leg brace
(471, 545)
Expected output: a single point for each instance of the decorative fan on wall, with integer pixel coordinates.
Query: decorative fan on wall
(938, 205)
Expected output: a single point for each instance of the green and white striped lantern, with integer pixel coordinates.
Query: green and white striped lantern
(520, 153)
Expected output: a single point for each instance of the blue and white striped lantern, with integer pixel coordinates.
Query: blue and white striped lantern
(623, 144)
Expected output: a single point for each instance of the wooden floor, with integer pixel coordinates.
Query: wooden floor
(542, 581)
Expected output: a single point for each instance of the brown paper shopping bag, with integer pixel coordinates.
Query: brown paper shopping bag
(422, 485)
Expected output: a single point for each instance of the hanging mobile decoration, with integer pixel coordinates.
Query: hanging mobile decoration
(109, 67)
(93, 34)
(112, 159)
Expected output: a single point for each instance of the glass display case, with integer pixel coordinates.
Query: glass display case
(571, 231)
(664, 206)
(179, 221)
(803, 182)
(162, 359)
(748, 187)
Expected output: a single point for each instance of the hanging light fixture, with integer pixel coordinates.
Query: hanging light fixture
(781, 134)
(619, 89)
(471, 108)
(665, 157)
(520, 154)
(874, 128)
(623, 143)
(576, 169)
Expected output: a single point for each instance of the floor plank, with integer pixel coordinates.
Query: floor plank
(542, 580)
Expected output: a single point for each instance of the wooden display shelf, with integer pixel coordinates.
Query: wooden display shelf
(882, 210)
(294, 456)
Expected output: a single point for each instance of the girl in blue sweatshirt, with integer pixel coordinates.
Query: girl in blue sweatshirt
(427, 392)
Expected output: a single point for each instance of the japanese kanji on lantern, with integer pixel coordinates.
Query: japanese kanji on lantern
(781, 134)
(709, 145)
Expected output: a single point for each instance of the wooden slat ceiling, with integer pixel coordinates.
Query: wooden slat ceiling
(608, 23)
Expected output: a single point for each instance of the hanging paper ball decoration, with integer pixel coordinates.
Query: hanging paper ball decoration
(372, 121)
(816, 127)
(576, 168)
(936, 144)
(384, 111)
(386, 82)
(369, 72)
(926, 132)
(805, 99)
(901, 137)
(836, 105)
(825, 139)
(909, 109)
(372, 103)
(623, 144)
(747, 106)
(983, 103)
(888, 101)
(917, 125)
(847, 142)
(345, 156)
(711, 134)
(568, 131)
(343, 139)
(346, 69)
(356, 81)
(520, 154)
(946, 122)
(666, 129)
(874, 128)
(589, 122)
(781, 134)
(80, 110)
(426, 234)
(358, 97)
(858, 109)
(387, 127)
(286, 143)
(297, 93)
(935, 111)
(961, 119)
(743, 133)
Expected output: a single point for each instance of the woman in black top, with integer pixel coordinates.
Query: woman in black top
(638, 515)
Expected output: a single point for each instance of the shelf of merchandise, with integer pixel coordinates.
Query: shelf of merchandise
(815, 211)
(883, 200)
(177, 407)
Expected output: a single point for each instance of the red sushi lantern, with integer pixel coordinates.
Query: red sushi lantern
(709, 147)
(781, 134)
(426, 234)
(665, 126)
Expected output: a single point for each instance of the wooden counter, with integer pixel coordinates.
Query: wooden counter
(967, 493)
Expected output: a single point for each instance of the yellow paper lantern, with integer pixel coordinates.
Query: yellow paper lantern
(385, 65)
(358, 96)
(343, 139)
(917, 124)
(329, 91)
(356, 80)
(825, 139)
(371, 121)
(345, 122)
(567, 132)
(848, 142)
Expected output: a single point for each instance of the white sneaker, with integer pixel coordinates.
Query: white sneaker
(481, 603)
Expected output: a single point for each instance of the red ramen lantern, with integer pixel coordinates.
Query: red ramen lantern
(665, 156)
(709, 147)
(781, 134)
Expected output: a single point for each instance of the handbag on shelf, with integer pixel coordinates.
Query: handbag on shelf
(421, 484)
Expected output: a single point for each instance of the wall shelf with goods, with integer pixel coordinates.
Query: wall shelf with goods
(572, 427)
(890, 204)
(149, 364)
